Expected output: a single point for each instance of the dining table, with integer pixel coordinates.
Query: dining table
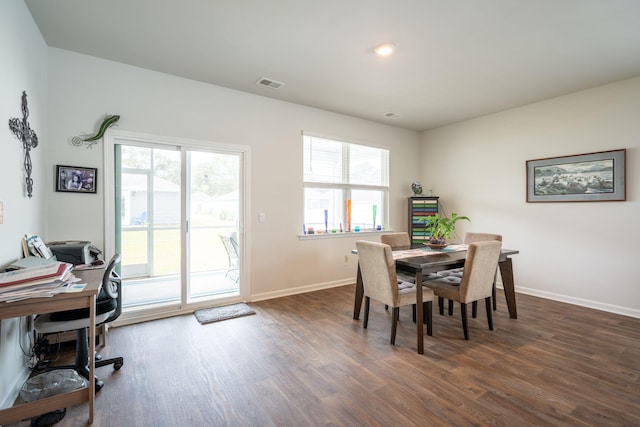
(422, 260)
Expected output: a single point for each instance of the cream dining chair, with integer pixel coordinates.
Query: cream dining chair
(399, 241)
(471, 237)
(380, 282)
(476, 282)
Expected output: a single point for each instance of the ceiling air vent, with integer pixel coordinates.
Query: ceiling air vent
(270, 83)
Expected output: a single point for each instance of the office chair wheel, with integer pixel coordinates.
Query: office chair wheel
(117, 365)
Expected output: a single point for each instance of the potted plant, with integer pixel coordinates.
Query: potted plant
(441, 228)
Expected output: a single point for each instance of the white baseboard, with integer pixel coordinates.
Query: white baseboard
(302, 289)
(597, 305)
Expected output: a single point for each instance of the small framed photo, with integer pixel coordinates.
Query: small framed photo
(75, 179)
(591, 177)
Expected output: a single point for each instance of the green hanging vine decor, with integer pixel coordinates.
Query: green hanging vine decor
(90, 140)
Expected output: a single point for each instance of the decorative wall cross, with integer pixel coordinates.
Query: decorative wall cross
(29, 139)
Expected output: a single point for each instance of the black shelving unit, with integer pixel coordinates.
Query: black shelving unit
(419, 209)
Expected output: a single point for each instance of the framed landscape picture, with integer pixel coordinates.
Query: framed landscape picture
(591, 177)
(75, 179)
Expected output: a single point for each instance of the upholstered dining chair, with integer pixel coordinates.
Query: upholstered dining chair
(476, 282)
(399, 241)
(378, 269)
(471, 237)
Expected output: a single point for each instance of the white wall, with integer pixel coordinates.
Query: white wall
(477, 167)
(83, 89)
(583, 253)
(23, 68)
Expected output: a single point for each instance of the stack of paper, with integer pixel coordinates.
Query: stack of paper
(35, 282)
(31, 261)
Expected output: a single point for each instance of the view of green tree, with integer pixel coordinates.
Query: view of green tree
(136, 157)
(218, 176)
(166, 165)
(214, 174)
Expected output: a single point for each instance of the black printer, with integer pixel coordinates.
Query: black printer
(74, 252)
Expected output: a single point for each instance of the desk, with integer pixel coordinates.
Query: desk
(438, 261)
(60, 302)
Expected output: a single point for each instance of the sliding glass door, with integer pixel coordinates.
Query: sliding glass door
(178, 223)
(213, 209)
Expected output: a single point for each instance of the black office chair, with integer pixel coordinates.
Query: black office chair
(108, 308)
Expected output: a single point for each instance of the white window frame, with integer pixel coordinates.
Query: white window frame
(346, 187)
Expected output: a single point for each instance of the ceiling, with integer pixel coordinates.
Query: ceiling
(454, 60)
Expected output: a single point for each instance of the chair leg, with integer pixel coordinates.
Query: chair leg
(441, 305)
(414, 313)
(450, 307)
(489, 315)
(394, 324)
(367, 302)
(493, 296)
(428, 316)
(474, 309)
(465, 329)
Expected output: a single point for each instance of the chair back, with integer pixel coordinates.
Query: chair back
(397, 241)
(112, 286)
(479, 270)
(378, 270)
(234, 243)
(471, 237)
(232, 248)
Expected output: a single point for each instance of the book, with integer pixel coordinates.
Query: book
(36, 247)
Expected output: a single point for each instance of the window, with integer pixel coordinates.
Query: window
(338, 174)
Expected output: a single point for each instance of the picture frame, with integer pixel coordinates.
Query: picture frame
(76, 179)
(590, 177)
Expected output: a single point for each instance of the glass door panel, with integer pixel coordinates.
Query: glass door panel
(150, 227)
(213, 211)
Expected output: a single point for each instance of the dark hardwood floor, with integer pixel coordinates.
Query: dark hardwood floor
(303, 361)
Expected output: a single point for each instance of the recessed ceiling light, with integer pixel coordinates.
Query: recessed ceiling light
(384, 49)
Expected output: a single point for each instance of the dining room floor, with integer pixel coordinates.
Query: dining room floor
(303, 361)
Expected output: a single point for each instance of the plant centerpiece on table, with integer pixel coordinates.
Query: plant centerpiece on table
(441, 228)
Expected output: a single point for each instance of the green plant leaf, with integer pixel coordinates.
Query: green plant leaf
(442, 227)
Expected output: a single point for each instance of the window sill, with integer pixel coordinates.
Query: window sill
(339, 235)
